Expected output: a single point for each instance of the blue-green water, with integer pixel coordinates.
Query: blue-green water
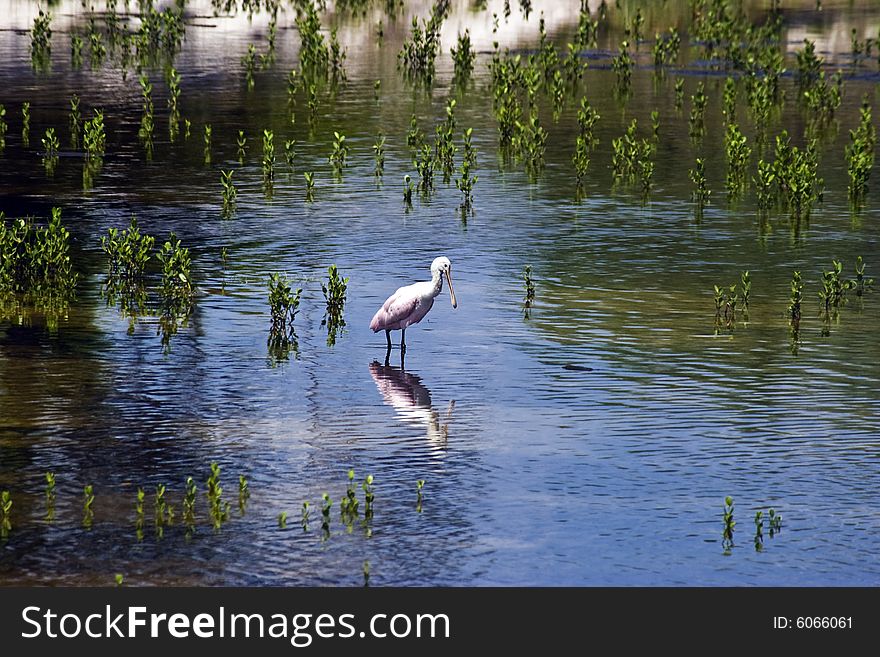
(591, 443)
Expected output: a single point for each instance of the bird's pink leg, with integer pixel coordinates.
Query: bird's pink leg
(402, 341)
(388, 337)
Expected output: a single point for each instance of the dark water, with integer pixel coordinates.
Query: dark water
(592, 443)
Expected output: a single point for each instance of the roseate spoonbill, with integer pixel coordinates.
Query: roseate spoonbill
(409, 304)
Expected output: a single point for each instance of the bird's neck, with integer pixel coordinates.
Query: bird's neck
(436, 282)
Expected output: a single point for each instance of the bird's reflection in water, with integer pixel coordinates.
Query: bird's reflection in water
(412, 401)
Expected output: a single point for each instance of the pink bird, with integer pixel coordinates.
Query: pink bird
(409, 304)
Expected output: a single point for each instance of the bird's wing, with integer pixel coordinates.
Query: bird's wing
(398, 307)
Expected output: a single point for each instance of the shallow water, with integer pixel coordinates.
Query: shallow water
(591, 443)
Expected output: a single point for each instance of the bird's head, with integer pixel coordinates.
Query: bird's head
(441, 266)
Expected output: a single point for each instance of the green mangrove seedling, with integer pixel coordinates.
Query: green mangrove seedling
(50, 496)
(304, 516)
(530, 290)
(862, 284)
(334, 297)
(229, 192)
(679, 93)
(339, 153)
(379, 154)
(289, 151)
(860, 155)
(759, 531)
(795, 300)
(463, 57)
(420, 484)
(310, 184)
(25, 122)
(729, 524)
(207, 139)
(5, 513)
(88, 500)
(282, 520)
(241, 142)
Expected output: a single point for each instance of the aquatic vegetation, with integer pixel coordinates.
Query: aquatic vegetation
(860, 155)
(249, 61)
(622, 65)
(244, 493)
(189, 503)
(759, 531)
(420, 484)
(369, 497)
(425, 167)
(289, 151)
(94, 136)
(416, 58)
(795, 300)
(268, 161)
(729, 524)
(50, 496)
(76, 46)
(679, 93)
(581, 160)
(147, 121)
(177, 288)
(339, 153)
(737, 153)
(128, 253)
(348, 505)
(5, 513)
(305, 512)
(701, 192)
(34, 257)
(282, 520)
(415, 137)
(41, 40)
(765, 186)
(337, 58)
(326, 505)
(207, 140)
(310, 184)
(797, 176)
(775, 522)
(745, 289)
(73, 121)
(699, 100)
(465, 184)
(530, 291)
(283, 306)
(726, 300)
(444, 146)
(4, 127)
(241, 142)
(587, 117)
(630, 157)
(379, 154)
(25, 122)
(809, 65)
(666, 48)
(834, 286)
(88, 501)
(51, 145)
(229, 192)
(861, 283)
(218, 509)
(334, 297)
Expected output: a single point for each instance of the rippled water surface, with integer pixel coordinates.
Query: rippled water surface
(592, 442)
